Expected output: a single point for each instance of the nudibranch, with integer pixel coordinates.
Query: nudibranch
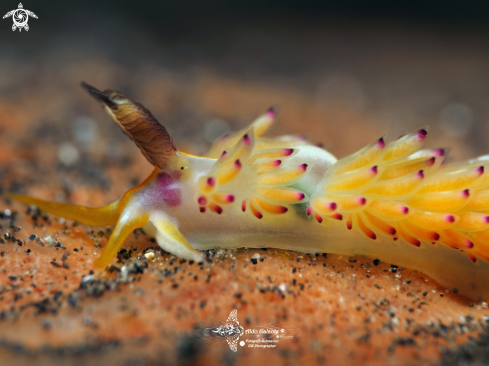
(390, 200)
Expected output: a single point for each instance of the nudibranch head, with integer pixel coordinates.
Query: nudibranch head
(168, 189)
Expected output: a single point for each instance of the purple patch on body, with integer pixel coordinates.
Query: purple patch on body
(168, 190)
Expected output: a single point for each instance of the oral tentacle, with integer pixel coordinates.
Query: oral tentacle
(93, 216)
(129, 220)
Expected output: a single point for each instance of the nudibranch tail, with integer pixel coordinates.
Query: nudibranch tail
(99, 216)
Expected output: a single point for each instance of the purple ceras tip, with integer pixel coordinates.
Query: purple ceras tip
(309, 210)
(202, 201)
(480, 170)
(486, 219)
(466, 193)
(381, 143)
(374, 169)
(439, 152)
(272, 112)
(450, 218)
(405, 210)
(420, 174)
(246, 139)
(288, 152)
(333, 206)
(432, 161)
(362, 200)
(237, 164)
(303, 167)
(468, 244)
(211, 181)
(230, 198)
(422, 133)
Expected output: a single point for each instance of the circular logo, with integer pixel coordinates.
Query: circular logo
(20, 17)
(242, 343)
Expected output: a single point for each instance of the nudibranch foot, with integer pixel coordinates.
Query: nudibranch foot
(169, 238)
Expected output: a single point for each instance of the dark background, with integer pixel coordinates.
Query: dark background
(177, 19)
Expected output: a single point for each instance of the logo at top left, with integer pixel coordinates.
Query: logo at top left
(20, 17)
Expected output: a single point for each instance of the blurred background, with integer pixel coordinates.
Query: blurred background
(344, 74)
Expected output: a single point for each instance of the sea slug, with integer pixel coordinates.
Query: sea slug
(390, 200)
